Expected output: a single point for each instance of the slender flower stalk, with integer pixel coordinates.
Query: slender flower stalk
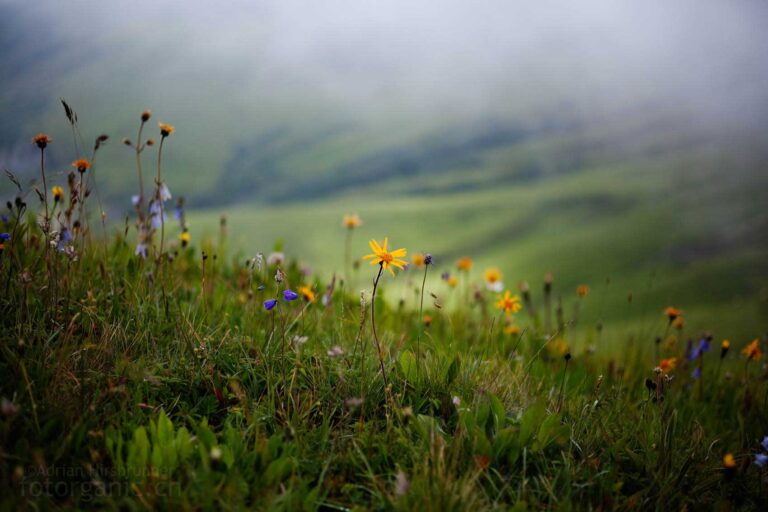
(386, 259)
(427, 262)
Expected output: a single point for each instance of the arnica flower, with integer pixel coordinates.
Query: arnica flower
(752, 351)
(725, 346)
(582, 290)
(270, 304)
(81, 165)
(41, 140)
(728, 461)
(427, 320)
(166, 129)
(185, 238)
(667, 365)
(512, 329)
(761, 460)
(58, 193)
(307, 293)
(453, 281)
(464, 264)
(386, 258)
(679, 323)
(672, 313)
(418, 260)
(290, 295)
(492, 278)
(352, 221)
(508, 303)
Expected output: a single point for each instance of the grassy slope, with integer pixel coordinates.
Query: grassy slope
(126, 402)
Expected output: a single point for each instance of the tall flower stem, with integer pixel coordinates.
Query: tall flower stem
(160, 199)
(139, 149)
(421, 321)
(45, 194)
(373, 326)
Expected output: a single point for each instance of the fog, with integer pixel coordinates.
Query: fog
(428, 56)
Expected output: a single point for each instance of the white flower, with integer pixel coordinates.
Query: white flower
(276, 258)
(135, 200)
(497, 286)
(165, 194)
(335, 351)
(456, 401)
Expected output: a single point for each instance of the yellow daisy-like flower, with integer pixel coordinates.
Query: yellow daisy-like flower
(512, 329)
(418, 260)
(453, 281)
(307, 293)
(81, 165)
(352, 221)
(729, 461)
(752, 351)
(672, 313)
(58, 193)
(508, 303)
(41, 140)
(667, 365)
(427, 320)
(582, 290)
(387, 259)
(464, 263)
(166, 129)
(185, 238)
(492, 275)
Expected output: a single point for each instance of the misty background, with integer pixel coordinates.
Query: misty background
(607, 141)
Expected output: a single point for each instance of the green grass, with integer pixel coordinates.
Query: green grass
(132, 386)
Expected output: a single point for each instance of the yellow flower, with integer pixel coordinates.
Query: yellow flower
(667, 365)
(81, 165)
(166, 129)
(387, 259)
(453, 281)
(464, 263)
(752, 351)
(418, 260)
(427, 320)
(307, 293)
(508, 303)
(492, 275)
(185, 238)
(58, 193)
(41, 140)
(679, 323)
(672, 313)
(352, 221)
(725, 345)
(511, 329)
(728, 461)
(559, 346)
(582, 290)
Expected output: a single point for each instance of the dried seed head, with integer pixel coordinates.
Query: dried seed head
(146, 115)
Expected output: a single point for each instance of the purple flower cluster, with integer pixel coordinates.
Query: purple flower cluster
(288, 295)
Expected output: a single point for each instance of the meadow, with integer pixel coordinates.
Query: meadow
(147, 366)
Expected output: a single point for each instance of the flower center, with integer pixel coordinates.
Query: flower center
(386, 257)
